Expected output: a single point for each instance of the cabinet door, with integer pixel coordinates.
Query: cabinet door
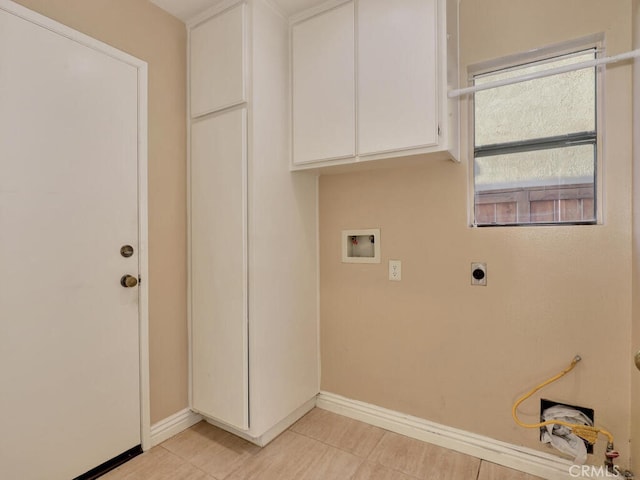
(218, 62)
(219, 333)
(397, 75)
(323, 69)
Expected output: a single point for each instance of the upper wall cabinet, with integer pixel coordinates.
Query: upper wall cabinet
(391, 101)
(323, 70)
(397, 75)
(217, 62)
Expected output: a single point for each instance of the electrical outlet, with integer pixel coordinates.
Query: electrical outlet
(478, 273)
(395, 270)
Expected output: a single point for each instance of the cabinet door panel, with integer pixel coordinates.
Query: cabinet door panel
(324, 86)
(219, 267)
(397, 78)
(217, 62)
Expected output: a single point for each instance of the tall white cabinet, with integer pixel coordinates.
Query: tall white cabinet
(252, 233)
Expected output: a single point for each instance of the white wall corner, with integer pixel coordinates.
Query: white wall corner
(172, 425)
(516, 457)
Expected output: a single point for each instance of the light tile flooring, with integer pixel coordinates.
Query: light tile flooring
(320, 446)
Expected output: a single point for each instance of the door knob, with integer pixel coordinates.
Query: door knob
(637, 359)
(128, 281)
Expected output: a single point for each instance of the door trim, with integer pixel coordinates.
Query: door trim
(143, 234)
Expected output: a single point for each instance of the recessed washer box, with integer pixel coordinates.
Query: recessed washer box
(361, 246)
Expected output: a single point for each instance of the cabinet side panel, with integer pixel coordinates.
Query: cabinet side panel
(450, 107)
(323, 82)
(397, 75)
(218, 283)
(283, 329)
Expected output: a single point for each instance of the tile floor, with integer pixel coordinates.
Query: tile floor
(320, 446)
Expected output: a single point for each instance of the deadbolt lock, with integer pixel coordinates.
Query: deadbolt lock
(126, 251)
(128, 281)
(637, 359)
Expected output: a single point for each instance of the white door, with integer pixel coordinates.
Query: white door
(218, 62)
(219, 316)
(69, 339)
(323, 86)
(397, 75)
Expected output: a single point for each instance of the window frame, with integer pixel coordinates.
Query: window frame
(595, 42)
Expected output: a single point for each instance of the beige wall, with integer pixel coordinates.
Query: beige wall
(635, 344)
(434, 346)
(144, 31)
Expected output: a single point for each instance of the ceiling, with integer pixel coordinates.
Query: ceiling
(187, 9)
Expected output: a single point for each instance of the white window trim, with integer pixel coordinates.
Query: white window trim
(596, 41)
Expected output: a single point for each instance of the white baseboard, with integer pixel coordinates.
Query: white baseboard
(519, 458)
(170, 426)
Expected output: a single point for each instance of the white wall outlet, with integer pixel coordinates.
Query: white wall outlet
(478, 273)
(395, 270)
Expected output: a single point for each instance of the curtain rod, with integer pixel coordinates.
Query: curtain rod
(546, 73)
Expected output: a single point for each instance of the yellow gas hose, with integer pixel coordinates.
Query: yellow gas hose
(589, 433)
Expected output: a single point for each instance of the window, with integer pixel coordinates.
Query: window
(535, 144)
